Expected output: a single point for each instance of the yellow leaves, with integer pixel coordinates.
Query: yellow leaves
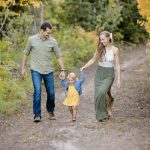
(5, 3)
(92, 34)
(144, 6)
(144, 9)
(15, 14)
(141, 23)
(35, 3)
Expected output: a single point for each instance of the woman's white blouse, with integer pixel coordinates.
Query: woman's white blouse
(107, 59)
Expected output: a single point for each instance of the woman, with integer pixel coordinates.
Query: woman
(108, 57)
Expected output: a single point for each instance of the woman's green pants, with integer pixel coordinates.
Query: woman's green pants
(103, 81)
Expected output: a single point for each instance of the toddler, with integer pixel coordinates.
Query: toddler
(73, 91)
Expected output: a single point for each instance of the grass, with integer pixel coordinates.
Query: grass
(14, 93)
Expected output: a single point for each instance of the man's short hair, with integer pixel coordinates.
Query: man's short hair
(46, 25)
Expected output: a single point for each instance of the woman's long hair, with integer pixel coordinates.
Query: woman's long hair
(100, 47)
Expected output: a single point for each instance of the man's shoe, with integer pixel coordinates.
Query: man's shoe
(52, 116)
(37, 119)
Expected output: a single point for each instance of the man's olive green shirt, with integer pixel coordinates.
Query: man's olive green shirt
(41, 53)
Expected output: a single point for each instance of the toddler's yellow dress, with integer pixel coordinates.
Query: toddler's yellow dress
(72, 97)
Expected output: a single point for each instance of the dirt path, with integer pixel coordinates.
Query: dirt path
(129, 128)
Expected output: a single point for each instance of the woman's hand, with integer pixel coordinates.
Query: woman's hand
(81, 69)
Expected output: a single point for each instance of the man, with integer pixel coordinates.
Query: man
(41, 46)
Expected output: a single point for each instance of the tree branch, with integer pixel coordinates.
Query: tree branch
(5, 17)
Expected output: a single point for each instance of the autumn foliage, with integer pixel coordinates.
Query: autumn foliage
(144, 9)
(5, 3)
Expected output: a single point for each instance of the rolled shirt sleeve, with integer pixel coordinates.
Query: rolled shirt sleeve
(27, 49)
(57, 50)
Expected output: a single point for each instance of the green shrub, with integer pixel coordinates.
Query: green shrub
(75, 46)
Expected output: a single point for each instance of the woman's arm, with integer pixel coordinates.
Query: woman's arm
(118, 68)
(90, 62)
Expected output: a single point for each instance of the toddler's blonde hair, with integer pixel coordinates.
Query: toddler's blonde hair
(72, 75)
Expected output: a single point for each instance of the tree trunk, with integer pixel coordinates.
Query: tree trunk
(41, 21)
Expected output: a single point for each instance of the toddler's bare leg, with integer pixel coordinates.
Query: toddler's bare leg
(71, 110)
(74, 113)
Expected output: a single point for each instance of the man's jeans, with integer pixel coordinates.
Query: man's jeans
(49, 85)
